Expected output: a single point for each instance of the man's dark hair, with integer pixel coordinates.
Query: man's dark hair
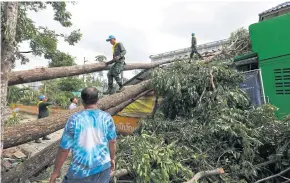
(71, 99)
(90, 95)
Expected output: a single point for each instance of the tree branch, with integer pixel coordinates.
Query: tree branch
(202, 174)
(211, 81)
(120, 173)
(273, 176)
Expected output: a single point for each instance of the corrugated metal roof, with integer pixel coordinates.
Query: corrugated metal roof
(282, 5)
(138, 78)
(188, 49)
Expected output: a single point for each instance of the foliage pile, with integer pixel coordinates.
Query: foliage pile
(205, 122)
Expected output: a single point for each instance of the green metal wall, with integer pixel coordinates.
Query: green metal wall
(276, 81)
(271, 38)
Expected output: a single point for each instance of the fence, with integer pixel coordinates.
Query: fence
(253, 85)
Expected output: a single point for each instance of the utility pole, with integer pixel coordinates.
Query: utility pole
(84, 64)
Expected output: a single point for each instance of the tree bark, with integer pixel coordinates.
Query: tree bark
(120, 173)
(202, 174)
(26, 132)
(31, 166)
(8, 33)
(45, 157)
(40, 74)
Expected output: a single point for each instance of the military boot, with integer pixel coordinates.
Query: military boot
(37, 141)
(120, 87)
(109, 91)
(45, 138)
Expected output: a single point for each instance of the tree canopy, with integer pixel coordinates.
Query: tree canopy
(42, 40)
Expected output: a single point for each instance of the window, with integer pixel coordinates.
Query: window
(282, 81)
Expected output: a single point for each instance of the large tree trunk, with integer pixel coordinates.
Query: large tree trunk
(8, 33)
(26, 132)
(40, 74)
(47, 156)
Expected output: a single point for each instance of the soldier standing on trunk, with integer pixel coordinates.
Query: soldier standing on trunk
(193, 47)
(119, 61)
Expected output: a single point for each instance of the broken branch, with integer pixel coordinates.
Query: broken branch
(202, 174)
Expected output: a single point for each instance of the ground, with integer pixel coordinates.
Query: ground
(32, 148)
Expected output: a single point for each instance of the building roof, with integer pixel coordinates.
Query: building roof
(280, 6)
(143, 75)
(186, 50)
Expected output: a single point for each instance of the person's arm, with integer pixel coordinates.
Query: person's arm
(47, 103)
(66, 144)
(113, 149)
(123, 50)
(122, 53)
(111, 137)
(61, 157)
(109, 62)
(192, 41)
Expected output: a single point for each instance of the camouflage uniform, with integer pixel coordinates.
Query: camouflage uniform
(117, 68)
(193, 48)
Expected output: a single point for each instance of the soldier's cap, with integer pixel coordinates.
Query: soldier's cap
(192, 34)
(41, 97)
(110, 38)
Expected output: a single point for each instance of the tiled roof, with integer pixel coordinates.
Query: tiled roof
(282, 5)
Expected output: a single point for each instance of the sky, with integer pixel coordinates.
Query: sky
(145, 27)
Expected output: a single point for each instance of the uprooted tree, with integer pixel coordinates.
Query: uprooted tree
(205, 122)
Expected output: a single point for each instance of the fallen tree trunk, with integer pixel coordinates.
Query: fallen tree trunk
(31, 166)
(47, 156)
(40, 74)
(26, 132)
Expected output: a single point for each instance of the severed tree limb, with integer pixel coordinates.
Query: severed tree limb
(202, 174)
(46, 156)
(211, 81)
(46, 73)
(120, 173)
(26, 132)
(267, 163)
(273, 176)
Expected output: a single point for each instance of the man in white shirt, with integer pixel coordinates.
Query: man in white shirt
(74, 102)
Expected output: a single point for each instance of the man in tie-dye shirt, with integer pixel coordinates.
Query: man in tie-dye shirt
(91, 136)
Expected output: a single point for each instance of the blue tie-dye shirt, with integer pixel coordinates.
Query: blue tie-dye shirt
(86, 134)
